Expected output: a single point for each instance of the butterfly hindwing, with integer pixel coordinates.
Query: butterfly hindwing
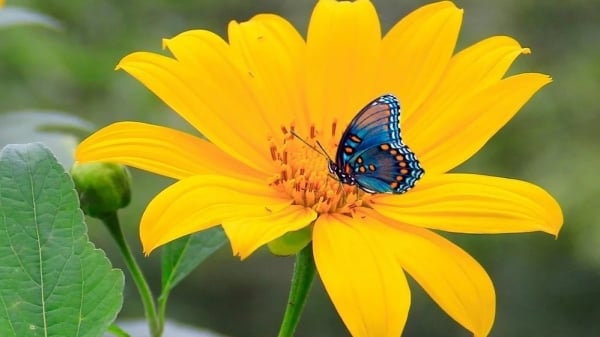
(386, 169)
(372, 149)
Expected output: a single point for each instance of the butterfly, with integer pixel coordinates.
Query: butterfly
(371, 153)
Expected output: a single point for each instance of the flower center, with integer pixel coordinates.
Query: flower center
(304, 174)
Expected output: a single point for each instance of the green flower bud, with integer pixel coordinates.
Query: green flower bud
(291, 242)
(103, 187)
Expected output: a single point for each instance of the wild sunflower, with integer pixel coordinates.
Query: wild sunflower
(252, 176)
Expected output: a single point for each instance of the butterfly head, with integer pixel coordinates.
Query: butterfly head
(344, 174)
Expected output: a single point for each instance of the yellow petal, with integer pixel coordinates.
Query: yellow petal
(471, 203)
(467, 124)
(248, 233)
(469, 94)
(453, 279)
(160, 150)
(203, 201)
(363, 279)
(471, 70)
(416, 51)
(271, 49)
(203, 96)
(343, 44)
(225, 85)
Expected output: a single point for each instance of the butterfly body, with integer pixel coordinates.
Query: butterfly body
(371, 153)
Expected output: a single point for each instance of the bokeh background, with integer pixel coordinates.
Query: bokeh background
(545, 286)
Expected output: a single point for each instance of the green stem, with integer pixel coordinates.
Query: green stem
(111, 220)
(162, 308)
(304, 273)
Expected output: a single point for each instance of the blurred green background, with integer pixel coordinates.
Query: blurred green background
(545, 287)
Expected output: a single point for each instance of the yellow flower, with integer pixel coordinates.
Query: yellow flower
(259, 182)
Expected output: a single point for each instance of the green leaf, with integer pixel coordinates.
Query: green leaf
(180, 257)
(53, 282)
(17, 16)
(116, 330)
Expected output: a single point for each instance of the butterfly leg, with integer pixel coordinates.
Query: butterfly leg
(341, 187)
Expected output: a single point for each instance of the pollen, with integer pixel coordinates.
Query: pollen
(303, 173)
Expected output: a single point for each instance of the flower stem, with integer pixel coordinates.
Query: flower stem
(304, 273)
(111, 221)
(162, 308)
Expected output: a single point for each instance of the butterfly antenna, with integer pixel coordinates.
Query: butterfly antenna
(320, 150)
(323, 150)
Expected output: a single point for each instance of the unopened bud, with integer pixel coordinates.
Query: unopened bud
(103, 187)
(291, 242)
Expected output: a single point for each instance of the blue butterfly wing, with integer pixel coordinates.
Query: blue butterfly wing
(378, 170)
(372, 148)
